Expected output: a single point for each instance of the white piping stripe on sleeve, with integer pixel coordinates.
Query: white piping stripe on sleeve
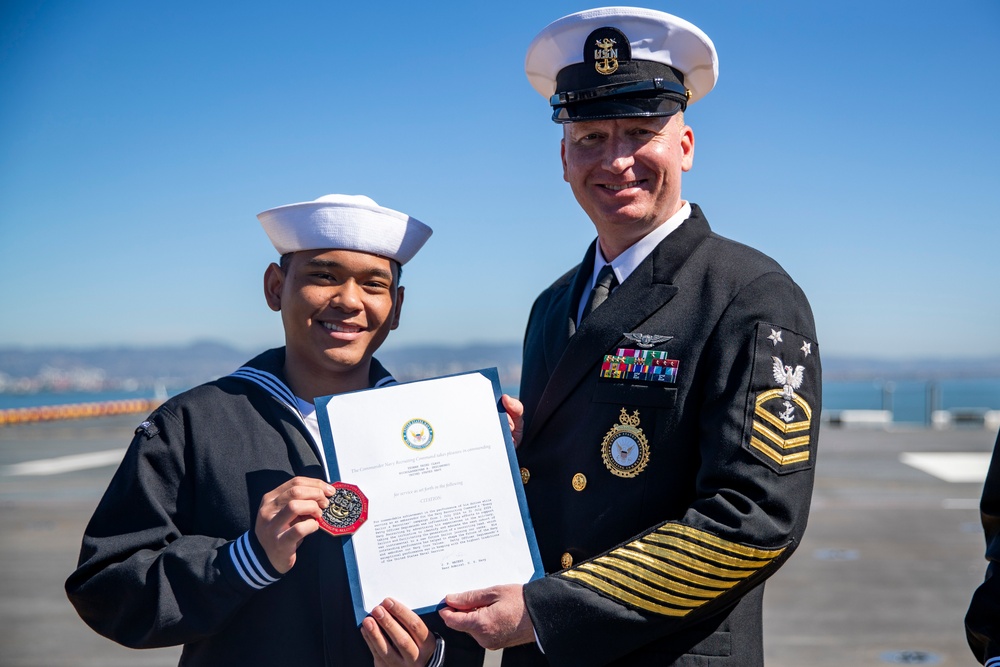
(252, 558)
(437, 658)
(247, 564)
(244, 566)
(239, 567)
(993, 662)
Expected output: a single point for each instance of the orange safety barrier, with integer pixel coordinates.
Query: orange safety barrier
(43, 413)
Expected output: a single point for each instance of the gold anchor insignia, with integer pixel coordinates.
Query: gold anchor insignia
(342, 505)
(625, 450)
(606, 56)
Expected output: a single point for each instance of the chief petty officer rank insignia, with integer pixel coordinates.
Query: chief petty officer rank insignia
(782, 392)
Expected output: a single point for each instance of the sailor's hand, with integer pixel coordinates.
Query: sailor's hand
(287, 515)
(397, 637)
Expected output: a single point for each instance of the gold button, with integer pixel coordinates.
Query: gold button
(525, 475)
(566, 560)
(579, 481)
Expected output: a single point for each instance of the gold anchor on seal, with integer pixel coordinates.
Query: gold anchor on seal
(606, 56)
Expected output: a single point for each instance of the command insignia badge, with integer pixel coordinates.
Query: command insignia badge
(418, 434)
(348, 509)
(625, 449)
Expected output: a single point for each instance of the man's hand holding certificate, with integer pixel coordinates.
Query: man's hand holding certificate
(446, 509)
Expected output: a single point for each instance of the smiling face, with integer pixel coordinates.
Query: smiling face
(626, 174)
(337, 306)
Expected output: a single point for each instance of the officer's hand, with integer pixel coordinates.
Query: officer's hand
(515, 417)
(496, 617)
(287, 515)
(396, 636)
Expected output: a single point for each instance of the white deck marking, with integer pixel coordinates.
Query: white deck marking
(61, 464)
(960, 503)
(950, 466)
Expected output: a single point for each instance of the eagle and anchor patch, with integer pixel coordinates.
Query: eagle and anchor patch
(782, 393)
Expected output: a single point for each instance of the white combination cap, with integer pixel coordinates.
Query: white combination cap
(620, 62)
(344, 222)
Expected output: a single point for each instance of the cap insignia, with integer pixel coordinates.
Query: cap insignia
(606, 48)
(606, 56)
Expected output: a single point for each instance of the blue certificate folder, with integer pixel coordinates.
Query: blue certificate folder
(350, 556)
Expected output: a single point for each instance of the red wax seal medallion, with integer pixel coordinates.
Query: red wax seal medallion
(347, 511)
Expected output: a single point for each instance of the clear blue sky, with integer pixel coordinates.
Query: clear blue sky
(855, 142)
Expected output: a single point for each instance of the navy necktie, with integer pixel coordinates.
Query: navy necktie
(606, 281)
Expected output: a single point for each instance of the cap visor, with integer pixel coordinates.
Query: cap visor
(617, 108)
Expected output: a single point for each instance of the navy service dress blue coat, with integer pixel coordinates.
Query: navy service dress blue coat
(170, 556)
(660, 507)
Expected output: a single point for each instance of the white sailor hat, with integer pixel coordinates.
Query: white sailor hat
(344, 222)
(620, 62)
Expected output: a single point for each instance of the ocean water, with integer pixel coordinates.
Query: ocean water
(68, 397)
(909, 400)
(912, 401)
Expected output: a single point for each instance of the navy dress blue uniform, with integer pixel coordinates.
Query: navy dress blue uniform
(982, 622)
(667, 566)
(173, 554)
(168, 557)
(670, 436)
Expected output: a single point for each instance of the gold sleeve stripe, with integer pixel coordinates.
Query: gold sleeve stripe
(776, 393)
(780, 459)
(784, 443)
(623, 596)
(626, 582)
(780, 425)
(704, 552)
(693, 563)
(674, 566)
(719, 543)
(654, 579)
(651, 563)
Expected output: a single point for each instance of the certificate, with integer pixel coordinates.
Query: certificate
(446, 506)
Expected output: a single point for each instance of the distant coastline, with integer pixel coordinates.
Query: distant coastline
(166, 370)
(134, 368)
(56, 376)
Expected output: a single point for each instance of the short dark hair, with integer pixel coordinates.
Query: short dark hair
(286, 260)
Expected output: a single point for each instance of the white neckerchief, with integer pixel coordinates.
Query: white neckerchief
(624, 264)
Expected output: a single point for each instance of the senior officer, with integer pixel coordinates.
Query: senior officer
(671, 383)
(982, 621)
(205, 536)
